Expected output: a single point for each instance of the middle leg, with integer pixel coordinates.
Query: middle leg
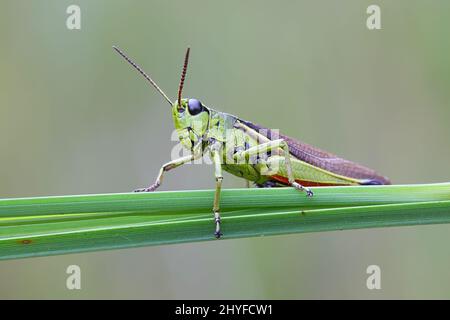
(217, 160)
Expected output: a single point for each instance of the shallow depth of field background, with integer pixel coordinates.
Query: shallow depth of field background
(75, 119)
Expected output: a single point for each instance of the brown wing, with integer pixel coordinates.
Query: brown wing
(323, 159)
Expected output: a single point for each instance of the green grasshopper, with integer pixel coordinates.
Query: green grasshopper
(251, 151)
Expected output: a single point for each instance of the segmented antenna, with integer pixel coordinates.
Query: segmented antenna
(146, 76)
(183, 75)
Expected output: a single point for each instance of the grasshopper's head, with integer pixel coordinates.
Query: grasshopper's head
(190, 117)
(191, 121)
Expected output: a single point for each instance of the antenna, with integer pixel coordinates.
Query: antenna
(183, 75)
(146, 76)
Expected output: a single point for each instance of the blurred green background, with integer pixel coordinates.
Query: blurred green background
(75, 119)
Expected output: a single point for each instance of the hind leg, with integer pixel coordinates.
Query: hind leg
(273, 145)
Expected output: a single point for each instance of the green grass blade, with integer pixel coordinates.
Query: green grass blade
(58, 225)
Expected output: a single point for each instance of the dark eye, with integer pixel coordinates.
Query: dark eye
(194, 106)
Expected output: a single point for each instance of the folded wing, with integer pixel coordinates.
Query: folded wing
(323, 159)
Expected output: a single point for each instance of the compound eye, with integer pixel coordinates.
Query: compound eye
(194, 106)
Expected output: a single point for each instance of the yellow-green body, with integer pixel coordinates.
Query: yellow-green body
(198, 132)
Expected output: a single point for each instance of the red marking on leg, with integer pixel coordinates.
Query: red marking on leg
(304, 183)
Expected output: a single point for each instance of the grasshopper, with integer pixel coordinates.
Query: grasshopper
(251, 151)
